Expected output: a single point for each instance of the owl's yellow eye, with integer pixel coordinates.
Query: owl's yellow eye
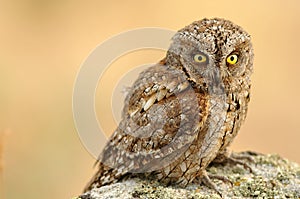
(232, 59)
(199, 58)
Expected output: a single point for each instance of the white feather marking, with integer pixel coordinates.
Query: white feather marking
(134, 112)
(183, 86)
(150, 102)
(171, 86)
(161, 94)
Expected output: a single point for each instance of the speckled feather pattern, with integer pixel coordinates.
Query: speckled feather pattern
(179, 115)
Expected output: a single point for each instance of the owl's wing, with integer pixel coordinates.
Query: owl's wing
(161, 118)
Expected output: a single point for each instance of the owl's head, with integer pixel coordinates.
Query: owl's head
(213, 52)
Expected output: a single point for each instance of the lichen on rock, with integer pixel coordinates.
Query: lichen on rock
(272, 177)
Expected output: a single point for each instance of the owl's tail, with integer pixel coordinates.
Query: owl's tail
(104, 176)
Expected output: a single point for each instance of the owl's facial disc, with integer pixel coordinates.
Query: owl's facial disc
(212, 51)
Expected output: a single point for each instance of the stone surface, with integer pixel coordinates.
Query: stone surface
(273, 177)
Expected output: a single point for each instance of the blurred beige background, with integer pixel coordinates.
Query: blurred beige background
(43, 43)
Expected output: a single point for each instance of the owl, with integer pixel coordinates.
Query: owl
(182, 113)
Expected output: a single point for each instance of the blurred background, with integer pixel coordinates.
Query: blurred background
(43, 43)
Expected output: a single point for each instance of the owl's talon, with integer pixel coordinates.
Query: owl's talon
(247, 157)
(237, 161)
(222, 178)
(206, 180)
(234, 159)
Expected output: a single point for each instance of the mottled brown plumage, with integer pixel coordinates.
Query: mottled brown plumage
(182, 113)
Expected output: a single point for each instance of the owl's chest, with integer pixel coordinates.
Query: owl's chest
(235, 116)
(225, 115)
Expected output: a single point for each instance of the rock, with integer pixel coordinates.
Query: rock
(272, 177)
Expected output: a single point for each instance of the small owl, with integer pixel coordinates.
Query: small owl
(182, 113)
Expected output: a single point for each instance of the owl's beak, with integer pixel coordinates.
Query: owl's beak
(215, 83)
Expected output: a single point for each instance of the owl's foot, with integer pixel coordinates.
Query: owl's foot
(222, 178)
(206, 179)
(235, 158)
